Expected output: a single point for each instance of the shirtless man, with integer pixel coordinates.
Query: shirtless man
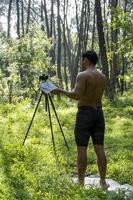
(88, 90)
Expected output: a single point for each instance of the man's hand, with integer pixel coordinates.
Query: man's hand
(56, 91)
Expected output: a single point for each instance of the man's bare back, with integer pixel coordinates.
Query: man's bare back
(89, 88)
(94, 85)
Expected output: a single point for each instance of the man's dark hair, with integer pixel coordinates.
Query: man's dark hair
(91, 56)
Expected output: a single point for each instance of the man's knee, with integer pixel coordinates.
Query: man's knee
(82, 157)
(81, 149)
(99, 150)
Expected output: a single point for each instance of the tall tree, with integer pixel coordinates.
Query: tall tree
(102, 46)
(65, 7)
(86, 24)
(9, 18)
(114, 39)
(78, 46)
(59, 44)
(28, 16)
(93, 30)
(52, 32)
(22, 17)
(42, 17)
(18, 17)
(124, 61)
(46, 17)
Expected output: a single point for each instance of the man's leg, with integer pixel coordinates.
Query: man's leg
(82, 163)
(101, 161)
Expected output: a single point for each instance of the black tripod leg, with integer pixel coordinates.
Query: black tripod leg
(51, 127)
(46, 103)
(32, 118)
(58, 121)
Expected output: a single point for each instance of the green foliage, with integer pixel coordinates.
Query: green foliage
(21, 62)
(123, 22)
(33, 172)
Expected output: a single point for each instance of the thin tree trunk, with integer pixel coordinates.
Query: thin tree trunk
(64, 45)
(52, 29)
(42, 17)
(102, 47)
(77, 19)
(9, 18)
(122, 81)
(87, 24)
(18, 18)
(22, 16)
(46, 18)
(79, 47)
(68, 48)
(51, 18)
(106, 23)
(93, 30)
(114, 37)
(124, 61)
(59, 74)
(10, 88)
(28, 16)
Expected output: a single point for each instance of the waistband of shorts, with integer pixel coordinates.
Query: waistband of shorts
(89, 107)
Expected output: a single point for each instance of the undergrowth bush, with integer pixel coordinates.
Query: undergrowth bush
(33, 171)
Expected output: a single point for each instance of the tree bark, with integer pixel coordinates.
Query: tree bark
(64, 45)
(46, 18)
(28, 16)
(10, 88)
(59, 74)
(51, 18)
(79, 48)
(52, 30)
(87, 24)
(114, 39)
(18, 17)
(68, 48)
(9, 18)
(22, 16)
(42, 17)
(93, 30)
(124, 61)
(102, 47)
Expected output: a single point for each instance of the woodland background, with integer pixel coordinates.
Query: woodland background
(49, 36)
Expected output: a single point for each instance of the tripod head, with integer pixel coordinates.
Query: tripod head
(43, 78)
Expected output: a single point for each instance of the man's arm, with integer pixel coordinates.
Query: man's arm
(78, 90)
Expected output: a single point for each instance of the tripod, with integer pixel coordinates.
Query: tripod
(48, 100)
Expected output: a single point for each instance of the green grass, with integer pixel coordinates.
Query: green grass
(33, 172)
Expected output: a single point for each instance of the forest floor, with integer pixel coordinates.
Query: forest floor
(33, 172)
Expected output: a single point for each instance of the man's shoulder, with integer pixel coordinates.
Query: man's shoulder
(81, 75)
(101, 74)
(102, 77)
(86, 74)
